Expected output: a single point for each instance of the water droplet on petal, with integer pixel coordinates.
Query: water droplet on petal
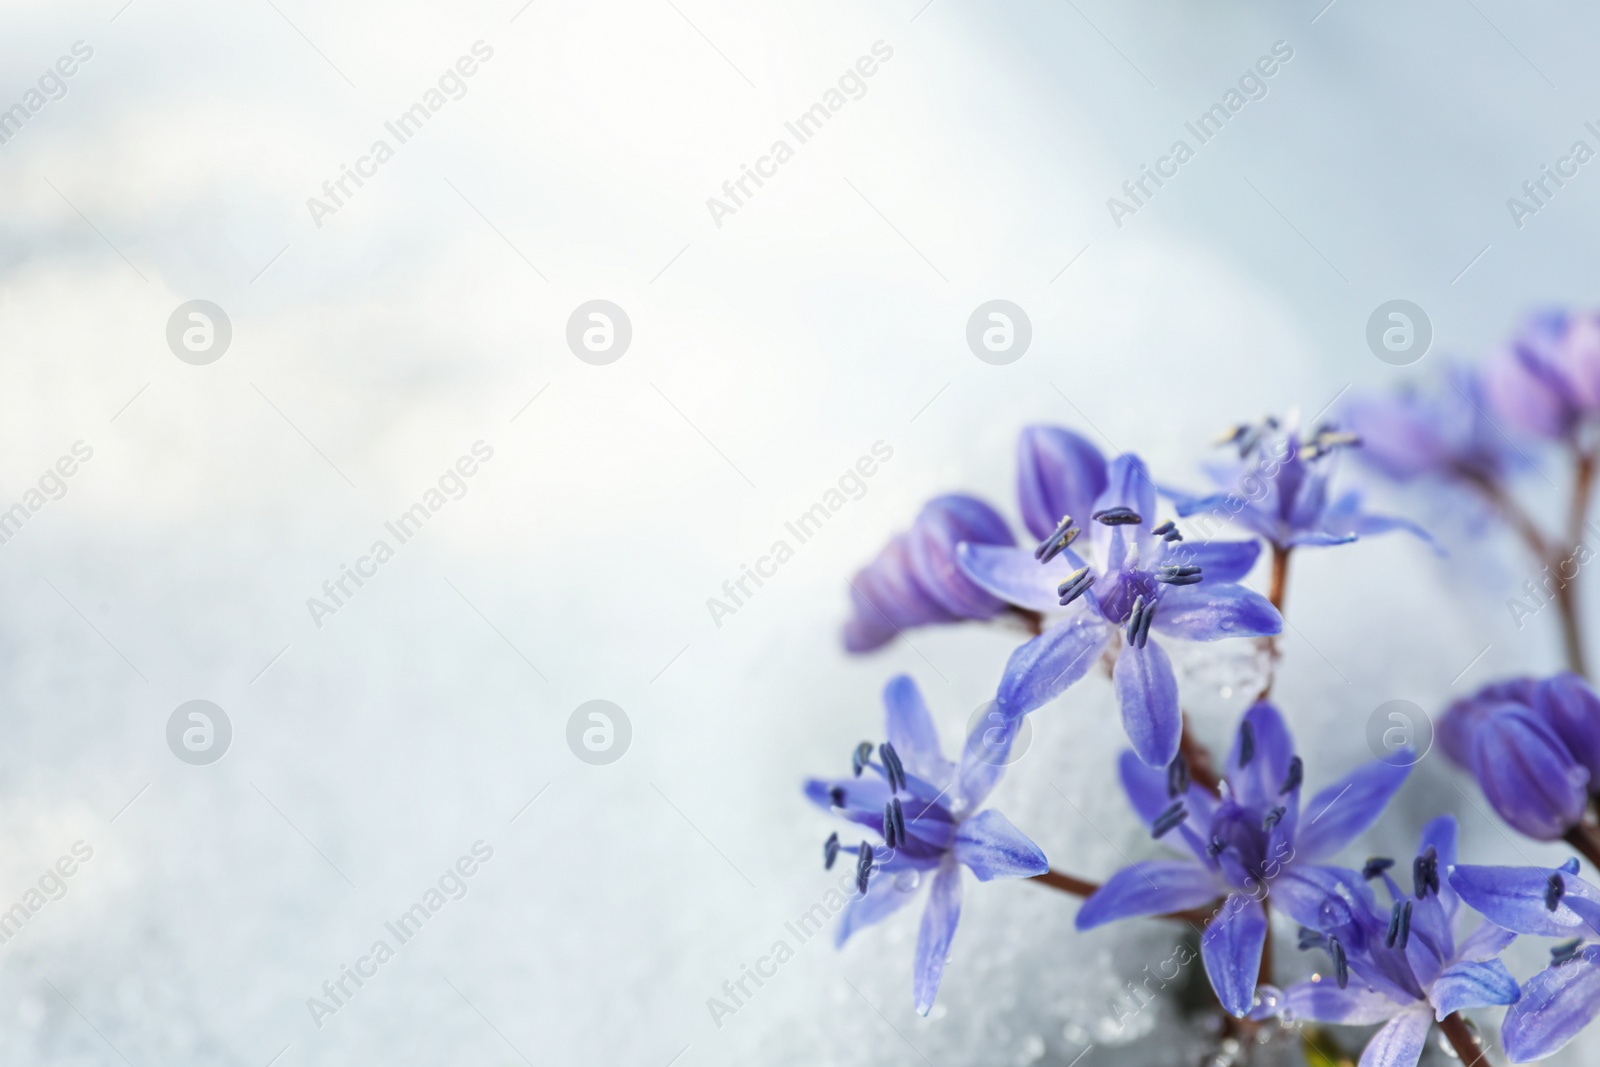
(907, 880)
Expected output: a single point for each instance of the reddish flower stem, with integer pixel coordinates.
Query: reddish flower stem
(1462, 1039)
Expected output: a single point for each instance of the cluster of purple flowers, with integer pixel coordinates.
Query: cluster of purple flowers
(1104, 578)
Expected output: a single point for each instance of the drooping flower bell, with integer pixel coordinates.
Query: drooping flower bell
(1441, 432)
(1534, 748)
(1545, 381)
(914, 581)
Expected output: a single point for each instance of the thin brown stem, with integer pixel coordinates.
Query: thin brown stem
(1585, 840)
(1276, 592)
(1463, 1040)
(1567, 591)
(1066, 883)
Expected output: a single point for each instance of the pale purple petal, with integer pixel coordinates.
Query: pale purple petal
(1148, 692)
(1231, 947)
(1146, 787)
(1338, 813)
(1325, 1002)
(1043, 668)
(1153, 887)
(1555, 1005)
(884, 898)
(1258, 782)
(1219, 561)
(992, 848)
(943, 523)
(911, 730)
(1400, 1043)
(1472, 985)
(1486, 942)
(1207, 612)
(1514, 897)
(933, 939)
(1013, 575)
(1059, 473)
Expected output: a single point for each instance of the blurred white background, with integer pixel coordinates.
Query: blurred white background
(828, 313)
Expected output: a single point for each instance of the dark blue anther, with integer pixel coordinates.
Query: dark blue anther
(1247, 743)
(836, 795)
(1291, 781)
(1565, 952)
(1341, 966)
(892, 767)
(830, 851)
(1076, 584)
(1165, 528)
(1171, 536)
(1063, 535)
(1274, 817)
(1118, 516)
(888, 825)
(1177, 776)
(859, 758)
(1376, 866)
(1425, 873)
(1309, 938)
(1144, 612)
(1554, 890)
(863, 866)
(1399, 934)
(898, 816)
(1169, 819)
(1181, 579)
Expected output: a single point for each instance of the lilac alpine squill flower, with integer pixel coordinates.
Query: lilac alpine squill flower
(1278, 488)
(1400, 964)
(1563, 998)
(1546, 380)
(925, 808)
(914, 581)
(1442, 432)
(1533, 746)
(1253, 841)
(1141, 577)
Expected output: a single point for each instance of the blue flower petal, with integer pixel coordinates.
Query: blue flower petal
(1320, 898)
(884, 898)
(1400, 1043)
(1325, 1002)
(1484, 943)
(1154, 887)
(1013, 575)
(1148, 693)
(1231, 948)
(1058, 473)
(933, 939)
(1440, 835)
(1556, 1003)
(1044, 667)
(911, 731)
(1338, 813)
(1257, 782)
(1528, 775)
(1219, 561)
(1207, 612)
(992, 848)
(1514, 897)
(1472, 985)
(1146, 787)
